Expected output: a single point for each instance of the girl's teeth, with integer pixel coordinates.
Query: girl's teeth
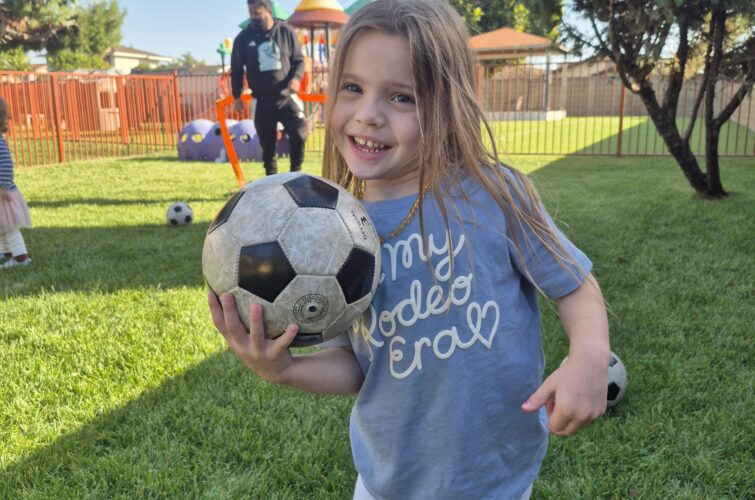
(368, 144)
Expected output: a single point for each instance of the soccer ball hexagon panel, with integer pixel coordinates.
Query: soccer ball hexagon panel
(299, 245)
(248, 225)
(317, 241)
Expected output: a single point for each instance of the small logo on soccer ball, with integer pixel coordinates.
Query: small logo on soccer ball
(362, 221)
(311, 307)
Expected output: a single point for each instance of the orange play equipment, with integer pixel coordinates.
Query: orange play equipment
(222, 104)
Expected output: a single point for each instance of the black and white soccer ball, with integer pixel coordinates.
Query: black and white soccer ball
(179, 214)
(302, 247)
(617, 380)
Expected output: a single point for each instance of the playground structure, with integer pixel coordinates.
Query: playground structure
(228, 139)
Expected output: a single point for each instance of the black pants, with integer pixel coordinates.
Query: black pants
(266, 119)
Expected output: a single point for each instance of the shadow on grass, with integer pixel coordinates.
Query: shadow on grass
(214, 430)
(106, 259)
(171, 157)
(60, 202)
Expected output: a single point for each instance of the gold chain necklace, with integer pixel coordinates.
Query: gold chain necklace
(404, 222)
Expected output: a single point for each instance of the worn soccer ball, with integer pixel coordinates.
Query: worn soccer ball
(179, 214)
(617, 380)
(299, 245)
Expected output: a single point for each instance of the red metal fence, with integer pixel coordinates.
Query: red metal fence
(59, 117)
(568, 108)
(583, 109)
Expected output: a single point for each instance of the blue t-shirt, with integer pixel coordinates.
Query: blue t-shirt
(449, 359)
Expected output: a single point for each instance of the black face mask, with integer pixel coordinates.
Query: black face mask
(257, 24)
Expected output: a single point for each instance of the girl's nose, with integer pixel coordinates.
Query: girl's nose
(370, 114)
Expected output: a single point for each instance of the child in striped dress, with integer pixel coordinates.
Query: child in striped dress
(14, 211)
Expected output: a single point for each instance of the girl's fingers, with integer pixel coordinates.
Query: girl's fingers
(549, 405)
(541, 396)
(235, 328)
(226, 318)
(216, 311)
(556, 424)
(284, 340)
(565, 428)
(256, 328)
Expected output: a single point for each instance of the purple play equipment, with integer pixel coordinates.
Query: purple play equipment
(212, 145)
(245, 141)
(190, 139)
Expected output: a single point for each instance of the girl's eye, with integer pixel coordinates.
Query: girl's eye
(403, 98)
(350, 87)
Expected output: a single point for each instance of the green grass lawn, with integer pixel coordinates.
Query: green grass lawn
(115, 384)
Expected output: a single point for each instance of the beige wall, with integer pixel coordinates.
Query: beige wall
(596, 95)
(125, 64)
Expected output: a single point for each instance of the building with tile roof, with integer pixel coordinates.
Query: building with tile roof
(508, 43)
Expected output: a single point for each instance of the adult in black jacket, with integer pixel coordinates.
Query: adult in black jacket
(274, 63)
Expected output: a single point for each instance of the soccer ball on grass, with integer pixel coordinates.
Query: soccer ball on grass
(299, 245)
(179, 214)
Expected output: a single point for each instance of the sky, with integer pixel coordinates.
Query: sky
(173, 28)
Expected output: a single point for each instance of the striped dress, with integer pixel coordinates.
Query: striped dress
(14, 211)
(6, 166)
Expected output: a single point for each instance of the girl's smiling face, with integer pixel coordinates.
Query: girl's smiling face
(375, 123)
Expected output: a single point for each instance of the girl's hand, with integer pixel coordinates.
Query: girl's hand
(574, 394)
(268, 358)
(4, 194)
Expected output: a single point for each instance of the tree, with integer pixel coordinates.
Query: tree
(31, 24)
(98, 27)
(186, 61)
(540, 17)
(14, 59)
(634, 33)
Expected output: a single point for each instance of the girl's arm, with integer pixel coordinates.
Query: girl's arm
(575, 393)
(331, 371)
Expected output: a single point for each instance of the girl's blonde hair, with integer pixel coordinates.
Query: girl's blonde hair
(4, 116)
(449, 115)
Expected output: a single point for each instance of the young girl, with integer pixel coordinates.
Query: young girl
(14, 212)
(447, 362)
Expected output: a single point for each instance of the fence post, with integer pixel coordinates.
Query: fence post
(621, 119)
(123, 112)
(177, 99)
(478, 88)
(56, 115)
